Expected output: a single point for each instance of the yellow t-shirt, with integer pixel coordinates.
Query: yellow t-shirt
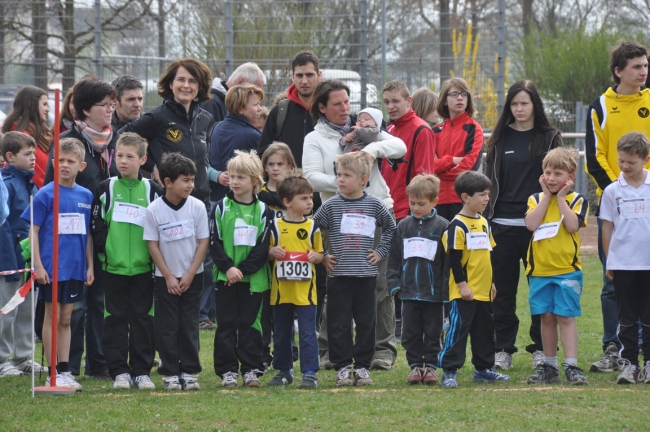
(461, 235)
(297, 238)
(559, 254)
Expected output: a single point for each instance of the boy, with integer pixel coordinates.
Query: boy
(625, 241)
(555, 215)
(118, 226)
(296, 245)
(176, 228)
(351, 219)
(366, 131)
(416, 270)
(239, 247)
(16, 327)
(75, 252)
(468, 242)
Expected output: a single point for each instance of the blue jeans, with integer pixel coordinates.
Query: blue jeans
(607, 298)
(208, 305)
(283, 333)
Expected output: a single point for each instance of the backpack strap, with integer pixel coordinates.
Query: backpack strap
(415, 140)
(283, 108)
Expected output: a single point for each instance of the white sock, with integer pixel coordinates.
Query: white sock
(551, 361)
(571, 361)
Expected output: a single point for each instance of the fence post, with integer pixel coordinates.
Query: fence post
(99, 67)
(383, 45)
(229, 38)
(364, 52)
(581, 126)
(502, 55)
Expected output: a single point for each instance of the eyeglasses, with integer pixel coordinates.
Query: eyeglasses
(454, 95)
(106, 106)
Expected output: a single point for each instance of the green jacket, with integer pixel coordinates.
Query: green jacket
(119, 242)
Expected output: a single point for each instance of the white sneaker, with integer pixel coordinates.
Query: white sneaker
(251, 380)
(538, 357)
(143, 382)
(70, 381)
(189, 381)
(503, 360)
(172, 383)
(122, 381)
(7, 370)
(229, 380)
(60, 381)
(28, 364)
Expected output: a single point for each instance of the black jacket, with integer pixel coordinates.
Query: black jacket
(296, 126)
(97, 169)
(116, 123)
(169, 128)
(217, 105)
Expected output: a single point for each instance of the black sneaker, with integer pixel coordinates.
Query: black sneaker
(309, 381)
(545, 374)
(574, 375)
(281, 379)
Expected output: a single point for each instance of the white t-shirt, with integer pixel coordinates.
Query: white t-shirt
(177, 231)
(629, 210)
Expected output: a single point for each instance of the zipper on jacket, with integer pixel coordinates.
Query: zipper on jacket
(417, 262)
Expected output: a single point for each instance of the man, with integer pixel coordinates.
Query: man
(623, 108)
(129, 101)
(248, 73)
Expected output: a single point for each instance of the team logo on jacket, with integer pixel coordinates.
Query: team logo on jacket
(174, 134)
(643, 112)
(302, 234)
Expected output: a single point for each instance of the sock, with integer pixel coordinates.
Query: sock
(431, 365)
(310, 372)
(414, 365)
(551, 361)
(62, 367)
(571, 361)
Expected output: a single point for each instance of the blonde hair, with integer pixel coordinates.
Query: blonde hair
(358, 162)
(424, 102)
(275, 148)
(424, 186)
(73, 145)
(132, 139)
(237, 97)
(561, 158)
(248, 163)
(398, 85)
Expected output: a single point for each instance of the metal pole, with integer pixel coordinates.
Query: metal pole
(99, 67)
(383, 44)
(581, 126)
(501, 74)
(364, 53)
(229, 38)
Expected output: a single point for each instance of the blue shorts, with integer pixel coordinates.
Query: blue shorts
(559, 295)
(70, 291)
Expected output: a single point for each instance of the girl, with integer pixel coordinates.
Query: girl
(277, 161)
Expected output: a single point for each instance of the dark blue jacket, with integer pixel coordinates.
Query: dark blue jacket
(235, 132)
(19, 186)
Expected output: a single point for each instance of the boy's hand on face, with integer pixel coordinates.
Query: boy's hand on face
(329, 262)
(465, 292)
(277, 252)
(90, 277)
(373, 257)
(42, 276)
(542, 182)
(234, 275)
(565, 189)
(173, 287)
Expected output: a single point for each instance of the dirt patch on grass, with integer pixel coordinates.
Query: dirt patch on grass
(589, 237)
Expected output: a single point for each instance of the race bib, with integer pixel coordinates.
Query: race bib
(245, 235)
(295, 267)
(420, 247)
(72, 223)
(479, 240)
(634, 208)
(547, 230)
(129, 213)
(358, 224)
(177, 230)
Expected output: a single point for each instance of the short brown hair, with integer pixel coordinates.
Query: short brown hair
(398, 85)
(424, 101)
(359, 162)
(275, 148)
(460, 84)
(132, 139)
(621, 53)
(14, 142)
(322, 95)
(424, 186)
(237, 97)
(196, 68)
(73, 145)
(294, 184)
(561, 158)
(634, 143)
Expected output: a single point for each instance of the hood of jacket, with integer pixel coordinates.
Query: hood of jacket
(292, 95)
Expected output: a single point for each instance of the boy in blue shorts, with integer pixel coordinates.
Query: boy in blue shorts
(555, 273)
(468, 242)
(176, 229)
(75, 252)
(118, 225)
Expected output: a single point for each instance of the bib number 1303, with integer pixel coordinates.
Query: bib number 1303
(294, 270)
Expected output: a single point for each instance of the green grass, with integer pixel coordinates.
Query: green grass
(388, 405)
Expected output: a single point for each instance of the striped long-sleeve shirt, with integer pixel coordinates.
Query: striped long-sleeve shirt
(351, 227)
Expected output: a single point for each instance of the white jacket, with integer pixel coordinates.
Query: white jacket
(321, 149)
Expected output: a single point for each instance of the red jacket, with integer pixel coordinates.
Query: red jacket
(460, 137)
(423, 161)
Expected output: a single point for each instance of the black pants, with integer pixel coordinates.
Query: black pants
(448, 211)
(351, 298)
(512, 247)
(321, 290)
(238, 338)
(128, 337)
(422, 324)
(473, 318)
(177, 323)
(267, 327)
(632, 289)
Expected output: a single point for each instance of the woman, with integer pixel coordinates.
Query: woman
(235, 132)
(521, 139)
(459, 142)
(29, 116)
(67, 112)
(179, 124)
(424, 102)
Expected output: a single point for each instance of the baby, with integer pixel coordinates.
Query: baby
(366, 131)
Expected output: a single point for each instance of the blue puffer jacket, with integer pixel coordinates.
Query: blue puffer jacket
(235, 132)
(20, 187)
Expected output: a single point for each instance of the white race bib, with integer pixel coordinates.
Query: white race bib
(358, 224)
(634, 208)
(72, 223)
(547, 230)
(295, 266)
(177, 230)
(129, 213)
(420, 247)
(245, 235)
(478, 240)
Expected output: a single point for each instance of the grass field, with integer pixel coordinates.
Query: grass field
(388, 405)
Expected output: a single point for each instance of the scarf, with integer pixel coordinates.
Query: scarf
(342, 130)
(98, 140)
(44, 141)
